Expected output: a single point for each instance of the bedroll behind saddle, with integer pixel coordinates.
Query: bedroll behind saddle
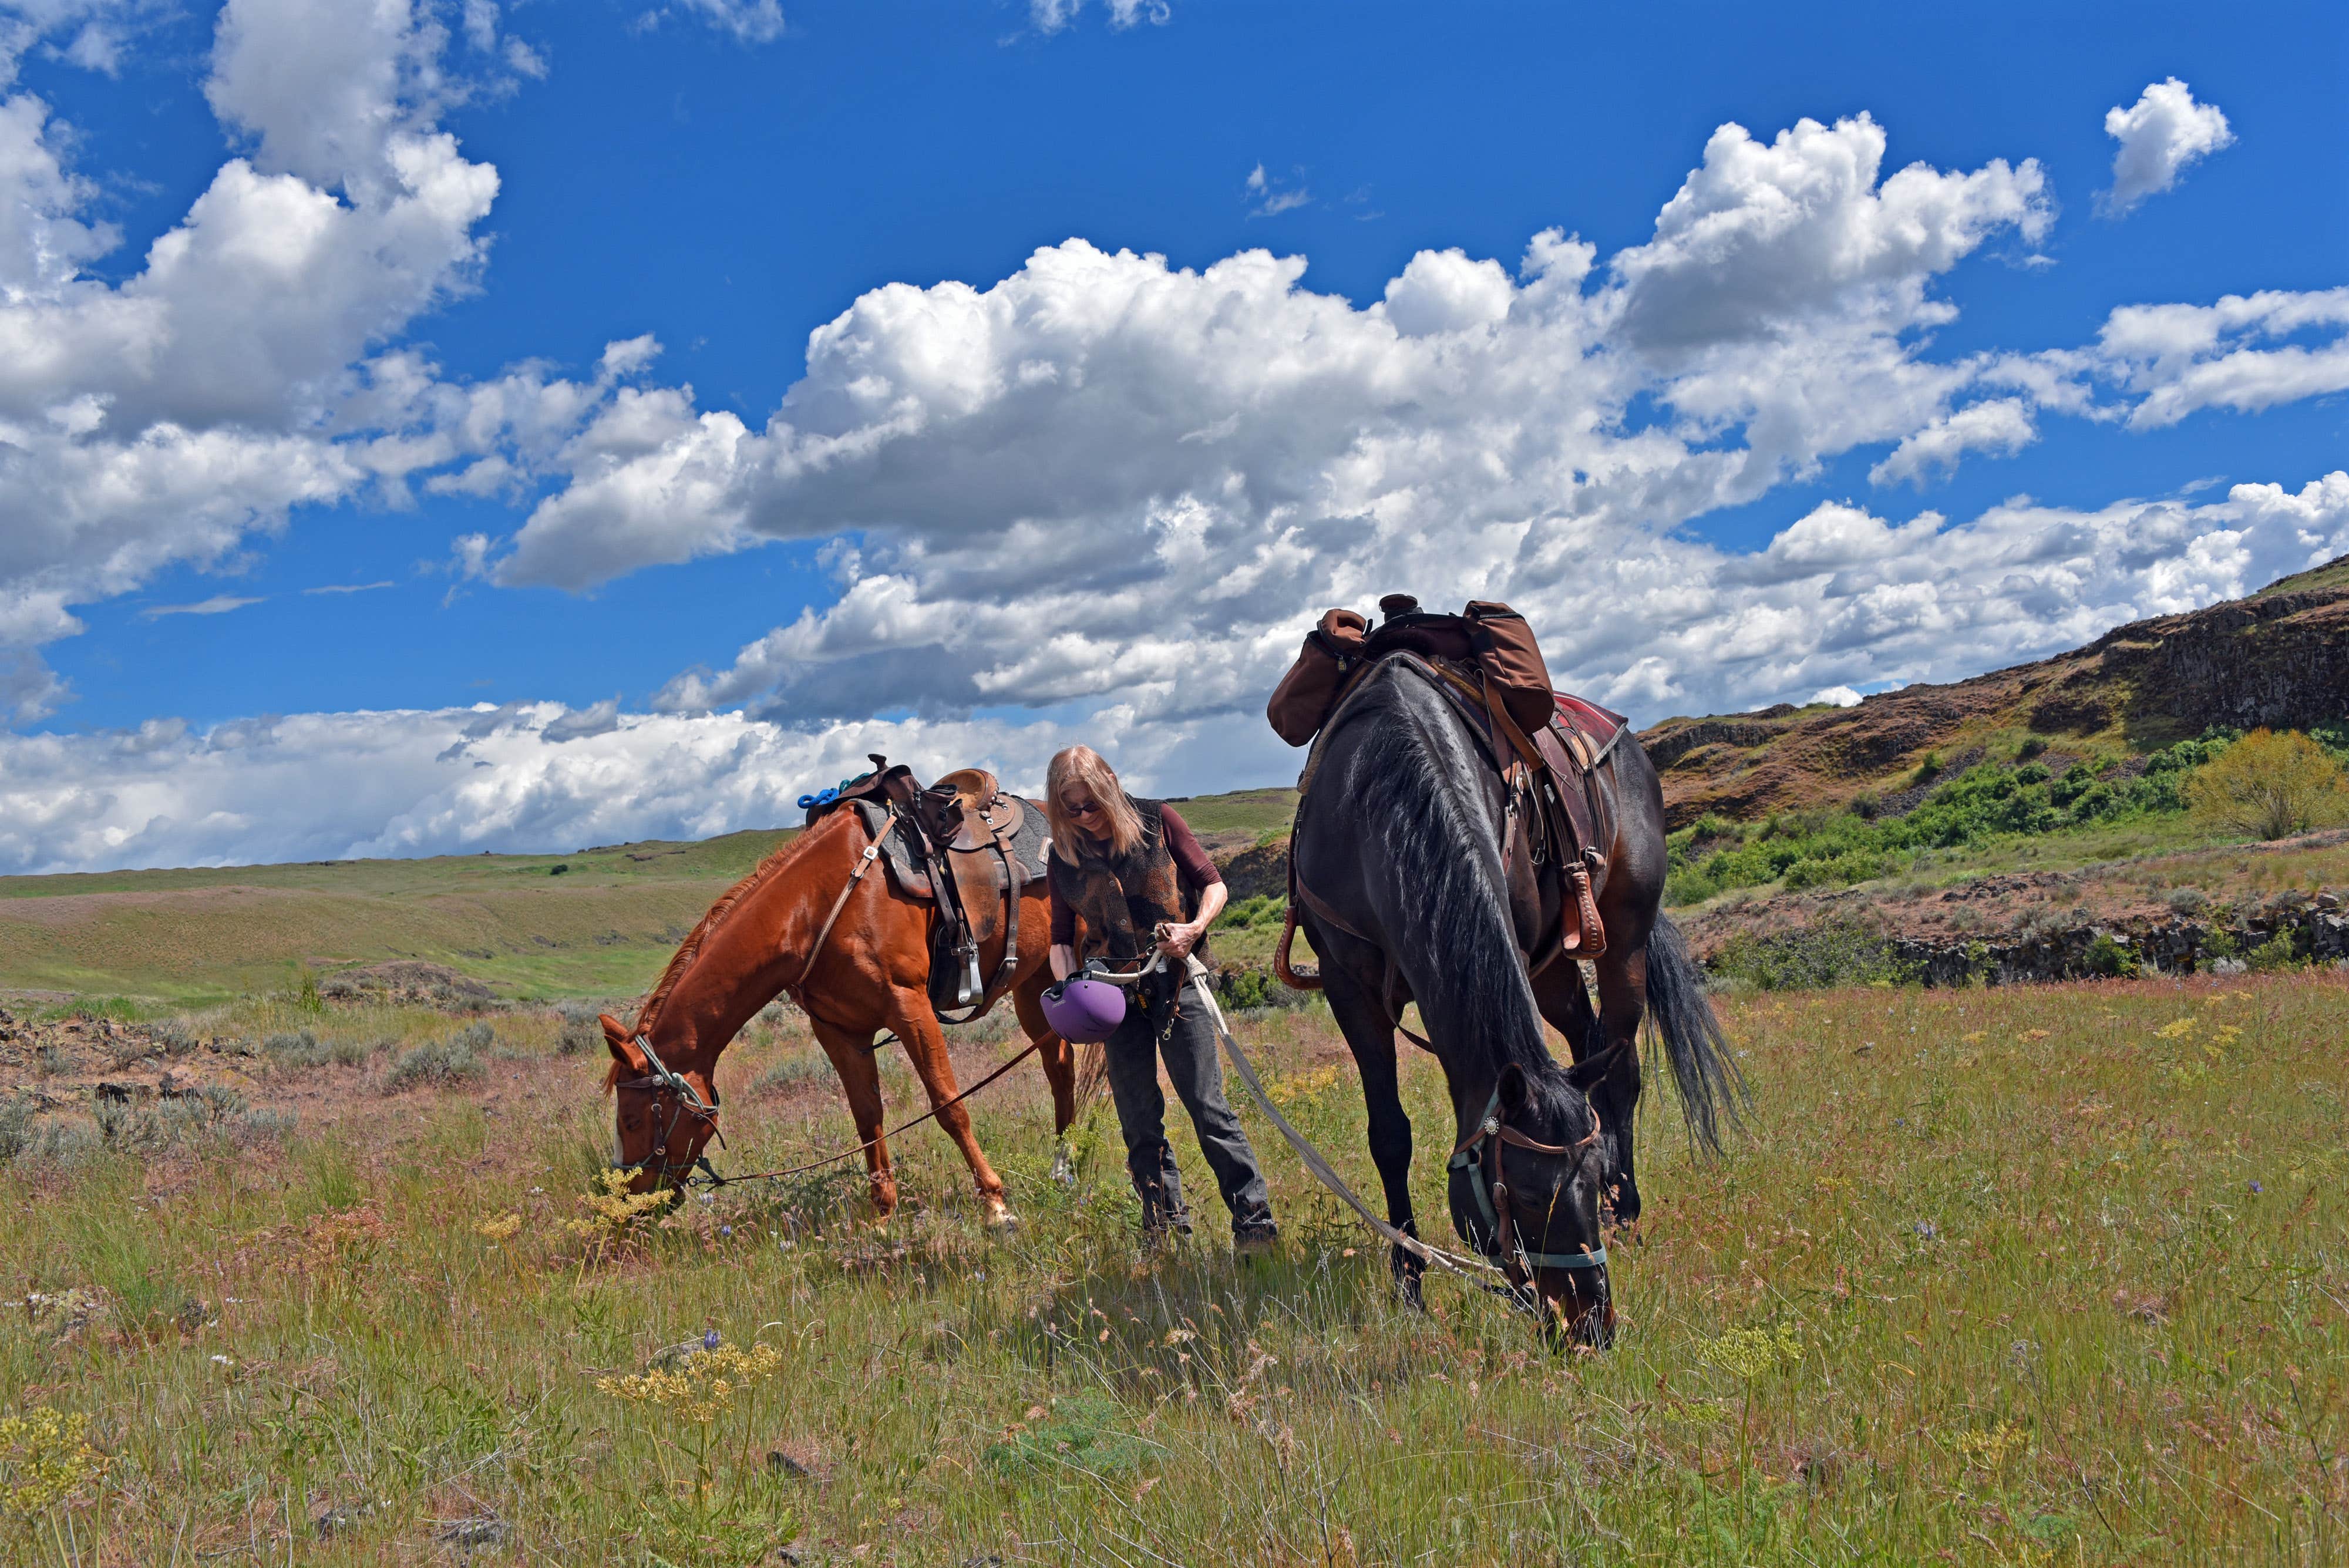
(1545, 745)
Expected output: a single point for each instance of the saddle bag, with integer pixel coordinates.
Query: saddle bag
(1306, 694)
(1512, 662)
(1489, 637)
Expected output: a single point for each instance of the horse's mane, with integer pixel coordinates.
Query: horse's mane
(1457, 908)
(690, 948)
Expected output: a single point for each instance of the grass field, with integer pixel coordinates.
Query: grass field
(602, 925)
(2037, 1275)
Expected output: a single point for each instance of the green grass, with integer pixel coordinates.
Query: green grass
(603, 927)
(2043, 1275)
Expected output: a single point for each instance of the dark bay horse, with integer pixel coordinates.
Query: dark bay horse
(871, 972)
(1401, 836)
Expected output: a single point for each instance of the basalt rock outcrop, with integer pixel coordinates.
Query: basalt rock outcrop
(2315, 931)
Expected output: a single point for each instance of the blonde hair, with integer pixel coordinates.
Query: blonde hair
(1082, 764)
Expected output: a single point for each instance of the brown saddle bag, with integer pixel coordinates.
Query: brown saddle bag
(1487, 635)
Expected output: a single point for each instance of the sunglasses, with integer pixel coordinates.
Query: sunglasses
(1090, 808)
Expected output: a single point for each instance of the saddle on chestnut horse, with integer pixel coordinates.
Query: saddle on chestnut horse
(962, 845)
(1547, 746)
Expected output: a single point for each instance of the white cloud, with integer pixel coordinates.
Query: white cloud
(2177, 358)
(1049, 16)
(534, 775)
(1841, 696)
(219, 604)
(750, 20)
(347, 587)
(2161, 135)
(1271, 197)
(165, 419)
(2000, 425)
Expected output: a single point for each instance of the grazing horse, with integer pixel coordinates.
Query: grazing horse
(855, 967)
(1400, 839)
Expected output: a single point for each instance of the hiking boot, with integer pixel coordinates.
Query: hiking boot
(1166, 1227)
(1257, 1239)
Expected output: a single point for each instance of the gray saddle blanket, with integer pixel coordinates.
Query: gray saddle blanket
(901, 852)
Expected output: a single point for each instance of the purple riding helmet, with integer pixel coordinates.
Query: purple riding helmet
(1084, 1011)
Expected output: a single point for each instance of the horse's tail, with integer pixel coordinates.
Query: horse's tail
(1679, 1014)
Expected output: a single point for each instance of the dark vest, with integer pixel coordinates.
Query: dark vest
(1123, 898)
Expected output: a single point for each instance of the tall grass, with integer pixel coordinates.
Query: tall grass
(2034, 1275)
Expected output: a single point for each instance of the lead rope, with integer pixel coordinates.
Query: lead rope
(1477, 1270)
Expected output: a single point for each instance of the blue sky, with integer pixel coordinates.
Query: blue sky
(1004, 535)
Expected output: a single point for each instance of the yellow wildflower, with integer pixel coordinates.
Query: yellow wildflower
(1748, 1352)
(499, 1227)
(46, 1458)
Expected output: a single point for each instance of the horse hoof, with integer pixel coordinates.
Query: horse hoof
(999, 1218)
(1064, 1167)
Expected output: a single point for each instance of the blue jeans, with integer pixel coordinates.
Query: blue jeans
(1188, 1046)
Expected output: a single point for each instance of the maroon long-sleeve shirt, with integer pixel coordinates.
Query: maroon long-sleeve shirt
(1191, 865)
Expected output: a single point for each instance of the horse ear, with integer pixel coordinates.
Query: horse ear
(623, 1046)
(1592, 1070)
(1515, 1090)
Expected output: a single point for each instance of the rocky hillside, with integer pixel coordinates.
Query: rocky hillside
(2280, 657)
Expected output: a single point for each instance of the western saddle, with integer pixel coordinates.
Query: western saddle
(961, 845)
(1558, 816)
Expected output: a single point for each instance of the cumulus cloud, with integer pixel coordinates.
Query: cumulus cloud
(165, 419)
(2000, 425)
(2161, 135)
(337, 785)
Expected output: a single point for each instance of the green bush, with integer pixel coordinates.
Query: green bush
(2275, 955)
(582, 1033)
(454, 1060)
(1265, 908)
(2111, 959)
(1711, 856)
(1843, 950)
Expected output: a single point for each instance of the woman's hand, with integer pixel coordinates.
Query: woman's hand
(1178, 941)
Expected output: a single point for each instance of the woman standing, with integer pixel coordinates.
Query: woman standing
(1133, 871)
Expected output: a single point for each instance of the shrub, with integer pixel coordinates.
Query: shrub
(1263, 910)
(2188, 901)
(791, 1071)
(1835, 870)
(581, 1033)
(454, 1060)
(2110, 957)
(1843, 950)
(302, 1050)
(2275, 955)
(2271, 785)
(15, 1129)
(1248, 990)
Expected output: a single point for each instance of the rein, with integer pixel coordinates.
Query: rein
(1476, 1270)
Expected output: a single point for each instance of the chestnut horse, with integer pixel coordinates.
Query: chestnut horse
(871, 972)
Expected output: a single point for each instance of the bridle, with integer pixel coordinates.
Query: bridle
(1479, 1154)
(666, 1084)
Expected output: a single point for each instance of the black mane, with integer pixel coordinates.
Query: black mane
(1441, 832)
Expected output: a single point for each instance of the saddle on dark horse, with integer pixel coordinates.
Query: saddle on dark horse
(1547, 746)
(963, 846)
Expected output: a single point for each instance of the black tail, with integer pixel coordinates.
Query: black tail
(1712, 1088)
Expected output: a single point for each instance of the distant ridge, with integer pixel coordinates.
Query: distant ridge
(2278, 658)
